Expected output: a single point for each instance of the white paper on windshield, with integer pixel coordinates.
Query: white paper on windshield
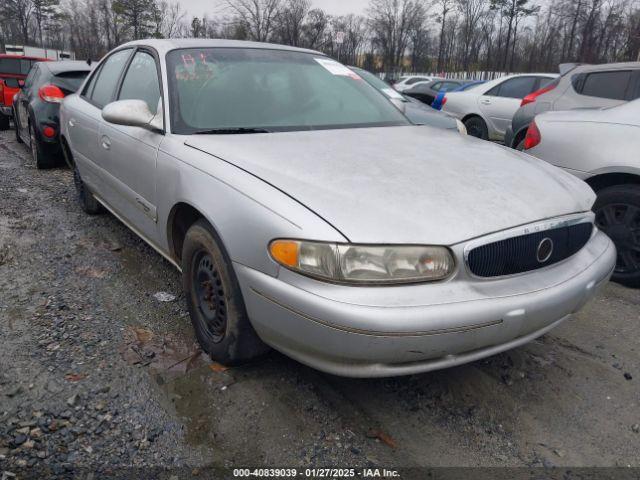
(337, 68)
(391, 93)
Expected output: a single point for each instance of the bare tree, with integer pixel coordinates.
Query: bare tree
(391, 23)
(258, 16)
(445, 7)
(290, 20)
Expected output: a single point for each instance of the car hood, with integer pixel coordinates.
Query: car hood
(398, 185)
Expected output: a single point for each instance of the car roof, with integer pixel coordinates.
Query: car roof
(166, 45)
(68, 66)
(606, 67)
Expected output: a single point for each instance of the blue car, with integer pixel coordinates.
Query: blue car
(440, 99)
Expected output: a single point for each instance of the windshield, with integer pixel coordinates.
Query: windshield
(274, 90)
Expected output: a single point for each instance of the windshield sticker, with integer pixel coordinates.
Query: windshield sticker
(391, 93)
(337, 68)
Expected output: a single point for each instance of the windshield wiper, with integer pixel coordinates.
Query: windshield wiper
(231, 131)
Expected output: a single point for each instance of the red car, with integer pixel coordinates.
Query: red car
(13, 71)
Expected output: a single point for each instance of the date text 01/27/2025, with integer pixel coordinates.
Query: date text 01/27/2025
(315, 473)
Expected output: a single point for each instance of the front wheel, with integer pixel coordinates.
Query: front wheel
(477, 128)
(87, 201)
(5, 123)
(617, 212)
(214, 299)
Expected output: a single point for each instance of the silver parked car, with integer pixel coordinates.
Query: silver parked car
(487, 110)
(602, 147)
(307, 213)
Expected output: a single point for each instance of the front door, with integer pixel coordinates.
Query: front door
(129, 153)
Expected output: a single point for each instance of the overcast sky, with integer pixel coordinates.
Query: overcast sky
(334, 7)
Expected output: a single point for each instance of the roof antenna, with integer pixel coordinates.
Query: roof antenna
(89, 62)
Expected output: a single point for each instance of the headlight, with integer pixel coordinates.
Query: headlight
(364, 264)
(461, 128)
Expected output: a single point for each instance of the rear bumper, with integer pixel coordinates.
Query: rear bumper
(355, 339)
(6, 111)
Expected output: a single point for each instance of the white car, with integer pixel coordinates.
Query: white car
(405, 83)
(487, 110)
(601, 147)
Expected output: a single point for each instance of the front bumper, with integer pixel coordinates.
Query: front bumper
(388, 331)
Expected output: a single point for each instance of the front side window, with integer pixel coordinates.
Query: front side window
(32, 74)
(141, 81)
(107, 78)
(274, 90)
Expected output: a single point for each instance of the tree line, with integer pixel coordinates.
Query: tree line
(392, 35)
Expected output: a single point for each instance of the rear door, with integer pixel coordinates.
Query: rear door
(500, 103)
(84, 117)
(129, 153)
(21, 105)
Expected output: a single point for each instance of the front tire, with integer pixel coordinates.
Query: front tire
(5, 123)
(476, 127)
(214, 299)
(617, 212)
(87, 201)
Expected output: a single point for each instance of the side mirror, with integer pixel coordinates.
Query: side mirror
(13, 83)
(132, 113)
(400, 104)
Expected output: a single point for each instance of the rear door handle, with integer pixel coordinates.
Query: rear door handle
(106, 143)
(486, 102)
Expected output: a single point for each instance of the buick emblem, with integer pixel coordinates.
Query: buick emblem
(545, 250)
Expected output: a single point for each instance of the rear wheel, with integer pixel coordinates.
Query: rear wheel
(41, 158)
(618, 215)
(477, 128)
(15, 124)
(214, 299)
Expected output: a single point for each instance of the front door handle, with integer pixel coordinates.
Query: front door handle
(72, 122)
(106, 143)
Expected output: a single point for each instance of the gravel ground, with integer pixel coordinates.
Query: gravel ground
(97, 373)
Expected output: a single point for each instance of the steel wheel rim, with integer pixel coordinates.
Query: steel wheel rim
(621, 222)
(208, 295)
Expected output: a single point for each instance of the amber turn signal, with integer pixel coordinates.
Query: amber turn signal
(285, 252)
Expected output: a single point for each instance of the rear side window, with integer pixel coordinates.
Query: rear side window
(518, 87)
(141, 81)
(415, 80)
(70, 81)
(611, 85)
(436, 86)
(108, 77)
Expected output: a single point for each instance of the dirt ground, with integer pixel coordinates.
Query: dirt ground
(97, 373)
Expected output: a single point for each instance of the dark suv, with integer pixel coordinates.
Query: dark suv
(36, 109)
(579, 86)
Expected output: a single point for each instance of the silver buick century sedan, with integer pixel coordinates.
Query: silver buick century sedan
(306, 212)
